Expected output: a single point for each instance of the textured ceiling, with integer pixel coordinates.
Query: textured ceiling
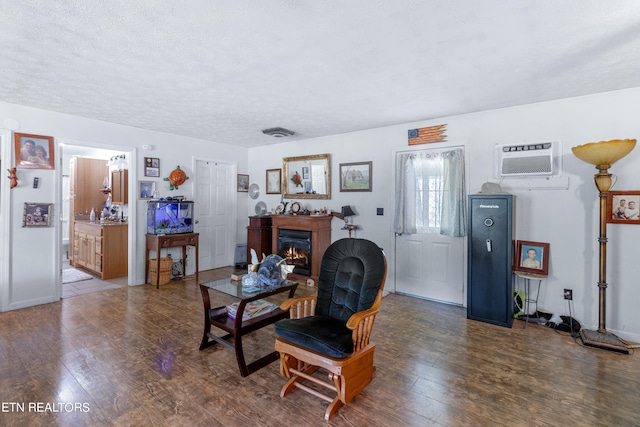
(224, 70)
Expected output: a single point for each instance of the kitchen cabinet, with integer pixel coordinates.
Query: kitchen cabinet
(101, 248)
(86, 182)
(120, 187)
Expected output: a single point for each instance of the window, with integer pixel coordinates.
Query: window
(430, 194)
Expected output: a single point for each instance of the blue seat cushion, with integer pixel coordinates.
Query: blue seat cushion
(322, 334)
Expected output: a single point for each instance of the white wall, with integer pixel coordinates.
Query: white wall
(567, 219)
(23, 285)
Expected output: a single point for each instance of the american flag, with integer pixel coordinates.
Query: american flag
(427, 135)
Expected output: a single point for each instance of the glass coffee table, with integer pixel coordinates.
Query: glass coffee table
(238, 327)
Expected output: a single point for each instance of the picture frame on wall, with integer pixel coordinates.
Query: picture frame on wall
(242, 183)
(33, 151)
(355, 176)
(146, 189)
(37, 214)
(623, 207)
(274, 181)
(532, 257)
(152, 166)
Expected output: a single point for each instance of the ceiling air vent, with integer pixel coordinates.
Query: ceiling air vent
(278, 132)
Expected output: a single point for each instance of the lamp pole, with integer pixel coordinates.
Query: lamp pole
(603, 184)
(602, 155)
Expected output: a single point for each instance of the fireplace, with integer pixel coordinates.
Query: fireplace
(295, 247)
(320, 229)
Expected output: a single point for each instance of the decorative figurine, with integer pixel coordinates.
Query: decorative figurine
(269, 272)
(176, 178)
(13, 177)
(297, 179)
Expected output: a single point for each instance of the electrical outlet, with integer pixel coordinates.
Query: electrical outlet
(568, 294)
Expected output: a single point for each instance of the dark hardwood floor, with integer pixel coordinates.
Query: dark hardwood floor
(129, 357)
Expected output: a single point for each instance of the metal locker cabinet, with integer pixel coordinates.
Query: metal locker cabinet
(491, 225)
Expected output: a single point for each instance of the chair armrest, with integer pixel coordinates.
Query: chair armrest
(300, 307)
(361, 324)
(361, 316)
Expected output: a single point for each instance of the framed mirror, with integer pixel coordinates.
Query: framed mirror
(307, 177)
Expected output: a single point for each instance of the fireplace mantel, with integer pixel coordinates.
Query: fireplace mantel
(320, 227)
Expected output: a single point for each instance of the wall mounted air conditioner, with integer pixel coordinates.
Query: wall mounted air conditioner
(526, 159)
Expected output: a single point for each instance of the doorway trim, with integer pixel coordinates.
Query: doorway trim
(5, 224)
(133, 256)
(443, 146)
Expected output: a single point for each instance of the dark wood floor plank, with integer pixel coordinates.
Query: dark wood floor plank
(131, 354)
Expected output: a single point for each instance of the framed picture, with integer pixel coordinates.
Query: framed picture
(37, 215)
(355, 176)
(532, 257)
(146, 189)
(33, 151)
(274, 181)
(151, 166)
(242, 183)
(305, 172)
(623, 207)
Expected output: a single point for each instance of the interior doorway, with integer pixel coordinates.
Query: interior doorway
(75, 279)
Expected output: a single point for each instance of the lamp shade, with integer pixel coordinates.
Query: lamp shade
(604, 153)
(347, 211)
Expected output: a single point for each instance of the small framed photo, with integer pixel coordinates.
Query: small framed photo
(33, 151)
(355, 176)
(532, 257)
(623, 207)
(37, 215)
(152, 166)
(274, 181)
(305, 172)
(146, 189)
(242, 183)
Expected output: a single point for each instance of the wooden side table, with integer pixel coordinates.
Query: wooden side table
(158, 242)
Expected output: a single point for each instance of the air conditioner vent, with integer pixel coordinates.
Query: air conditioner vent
(278, 132)
(525, 159)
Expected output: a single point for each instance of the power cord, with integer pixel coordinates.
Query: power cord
(574, 334)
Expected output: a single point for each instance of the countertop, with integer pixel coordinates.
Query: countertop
(102, 223)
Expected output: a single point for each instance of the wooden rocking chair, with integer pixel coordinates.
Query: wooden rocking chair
(331, 330)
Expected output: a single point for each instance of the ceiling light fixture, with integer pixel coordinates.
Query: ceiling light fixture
(278, 132)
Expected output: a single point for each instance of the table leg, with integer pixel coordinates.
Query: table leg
(146, 267)
(184, 261)
(197, 258)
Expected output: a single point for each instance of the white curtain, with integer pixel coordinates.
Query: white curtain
(453, 218)
(430, 193)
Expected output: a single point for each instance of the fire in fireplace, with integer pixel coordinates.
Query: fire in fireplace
(295, 247)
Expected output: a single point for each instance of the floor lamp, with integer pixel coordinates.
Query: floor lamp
(603, 154)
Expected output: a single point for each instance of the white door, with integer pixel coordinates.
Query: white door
(214, 210)
(430, 266)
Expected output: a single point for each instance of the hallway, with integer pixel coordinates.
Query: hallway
(91, 285)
